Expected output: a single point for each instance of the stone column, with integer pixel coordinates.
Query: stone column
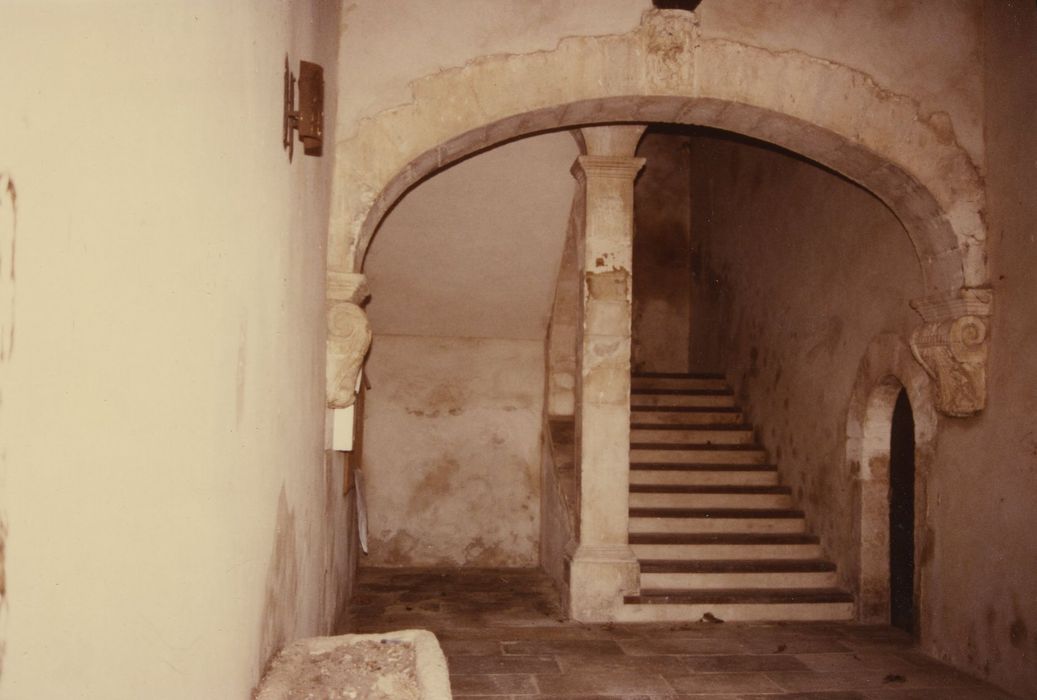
(603, 567)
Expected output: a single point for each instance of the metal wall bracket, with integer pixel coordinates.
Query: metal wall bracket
(308, 119)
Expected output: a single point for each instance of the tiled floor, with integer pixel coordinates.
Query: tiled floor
(505, 637)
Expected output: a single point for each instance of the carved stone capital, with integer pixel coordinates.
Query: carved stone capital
(623, 168)
(348, 286)
(952, 346)
(349, 336)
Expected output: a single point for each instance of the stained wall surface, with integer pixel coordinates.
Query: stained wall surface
(172, 516)
(662, 254)
(462, 275)
(798, 269)
(983, 604)
(452, 451)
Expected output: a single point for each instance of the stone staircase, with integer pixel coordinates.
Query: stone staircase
(716, 535)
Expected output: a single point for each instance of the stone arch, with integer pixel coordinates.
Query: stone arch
(886, 368)
(664, 71)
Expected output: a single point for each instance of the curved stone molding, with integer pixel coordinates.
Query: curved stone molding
(952, 346)
(349, 336)
(666, 71)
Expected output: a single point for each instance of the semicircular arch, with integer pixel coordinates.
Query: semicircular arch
(663, 73)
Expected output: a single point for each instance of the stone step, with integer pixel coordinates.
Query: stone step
(707, 496)
(684, 546)
(678, 381)
(703, 475)
(737, 573)
(737, 605)
(668, 415)
(733, 434)
(716, 520)
(689, 453)
(704, 398)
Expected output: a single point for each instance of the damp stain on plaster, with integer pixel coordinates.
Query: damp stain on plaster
(1018, 631)
(479, 553)
(828, 335)
(612, 285)
(439, 400)
(282, 585)
(395, 548)
(435, 484)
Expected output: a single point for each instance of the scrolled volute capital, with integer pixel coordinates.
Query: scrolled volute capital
(953, 345)
(349, 337)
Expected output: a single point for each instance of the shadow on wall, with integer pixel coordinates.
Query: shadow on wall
(7, 235)
(282, 585)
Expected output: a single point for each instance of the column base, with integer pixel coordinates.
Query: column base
(599, 577)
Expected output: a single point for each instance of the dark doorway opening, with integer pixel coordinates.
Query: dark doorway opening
(902, 516)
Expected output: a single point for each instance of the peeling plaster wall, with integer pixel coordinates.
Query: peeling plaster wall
(172, 515)
(452, 451)
(983, 603)
(662, 254)
(799, 270)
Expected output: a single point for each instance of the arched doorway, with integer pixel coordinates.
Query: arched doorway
(891, 440)
(902, 515)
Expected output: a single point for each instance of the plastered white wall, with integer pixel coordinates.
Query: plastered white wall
(171, 516)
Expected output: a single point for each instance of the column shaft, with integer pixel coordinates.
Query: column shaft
(603, 567)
